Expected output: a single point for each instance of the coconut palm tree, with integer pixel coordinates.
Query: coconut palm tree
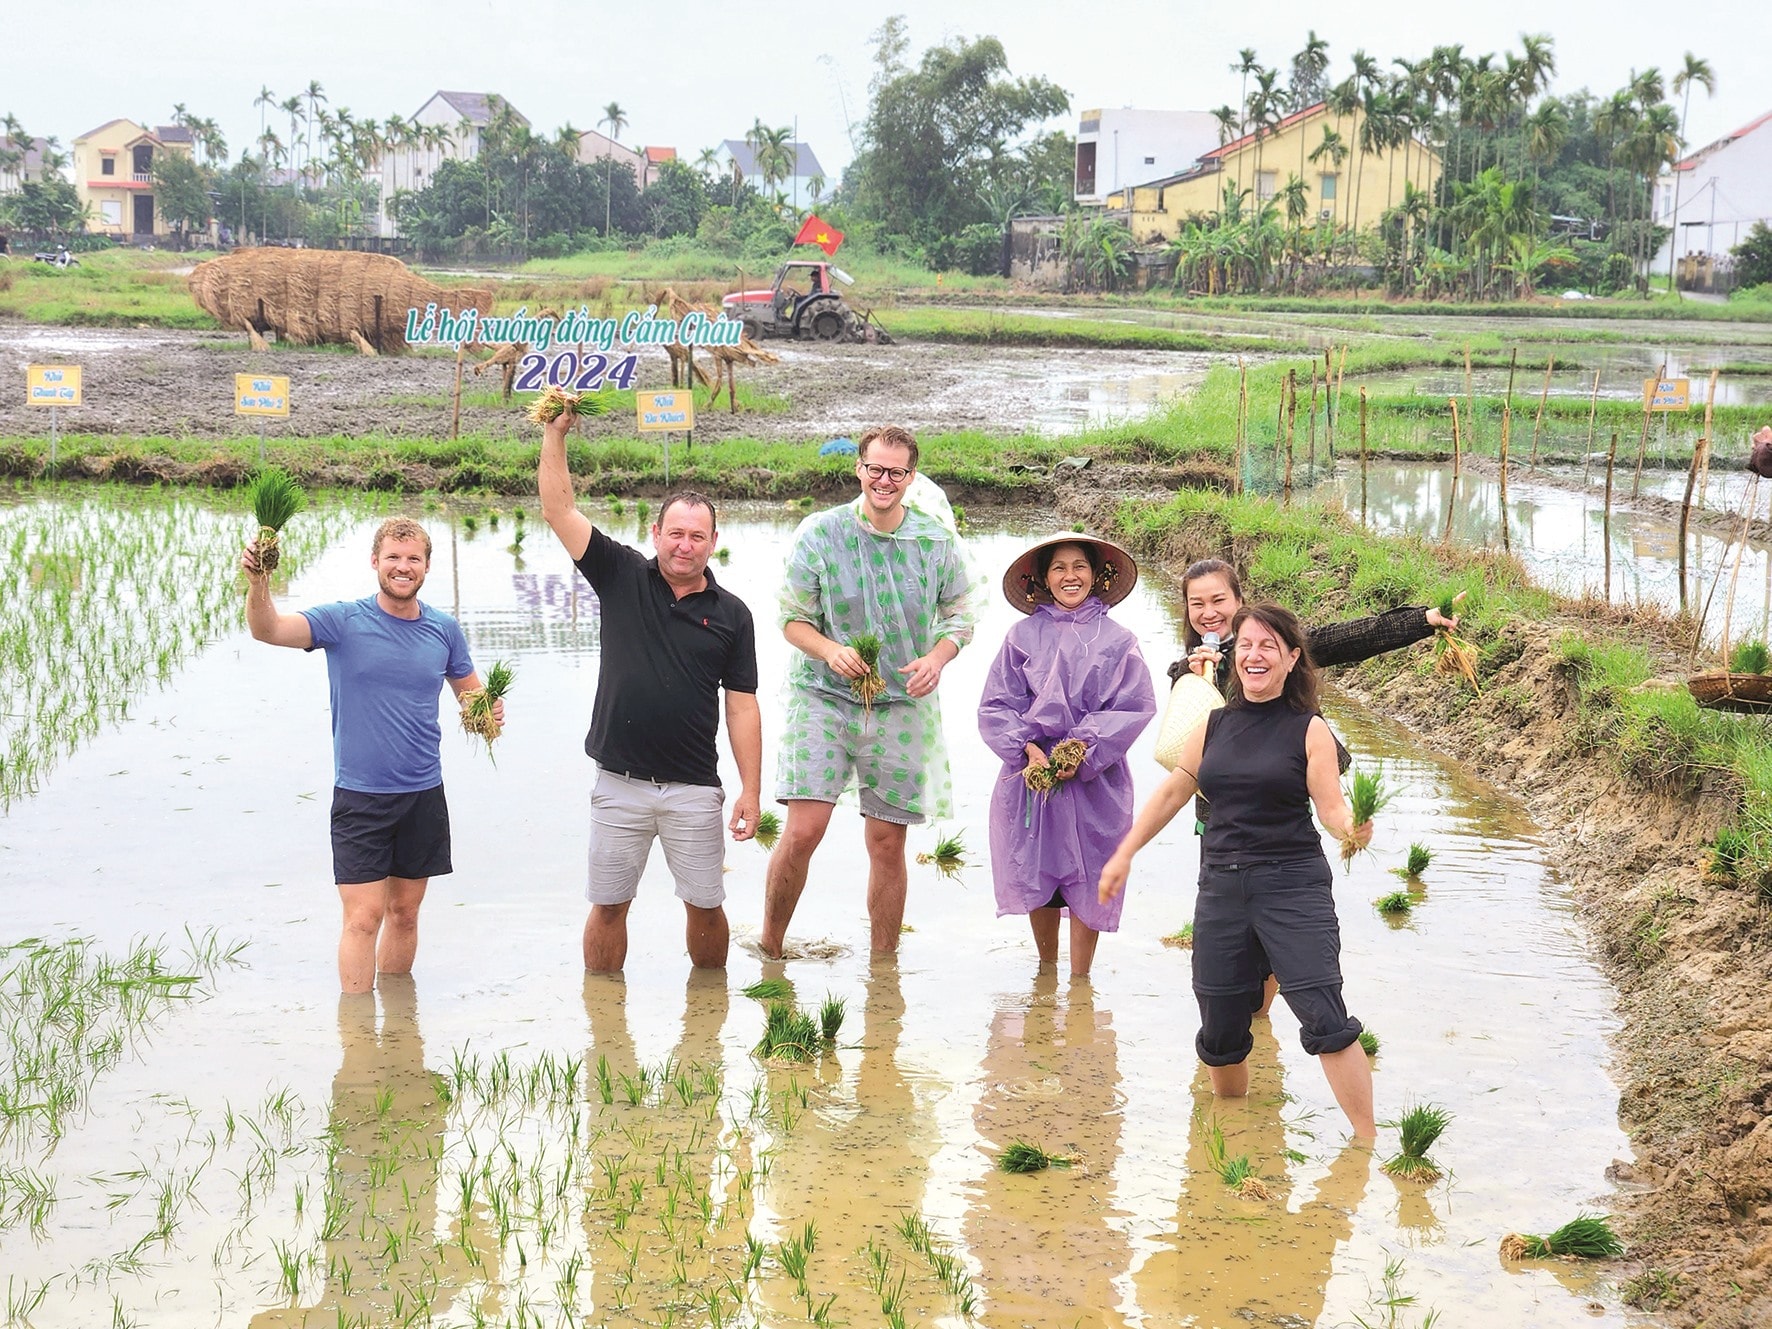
(617, 120)
(1692, 70)
(775, 156)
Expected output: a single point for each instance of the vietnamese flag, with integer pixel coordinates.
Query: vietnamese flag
(820, 233)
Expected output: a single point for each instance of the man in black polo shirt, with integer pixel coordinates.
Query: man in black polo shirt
(672, 639)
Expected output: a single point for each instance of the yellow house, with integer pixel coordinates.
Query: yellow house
(113, 175)
(1346, 186)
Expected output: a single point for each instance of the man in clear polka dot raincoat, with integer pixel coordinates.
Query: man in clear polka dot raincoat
(888, 564)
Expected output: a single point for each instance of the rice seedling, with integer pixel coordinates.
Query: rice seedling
(1395, 904)
(768, 829)
(556, 402)
(1750, 657)
(770, 989)
(723, 554)
(1237, 1173)
(870, 686)
(470, 525)
(789, 1034)
(516, 544)
(1366, 797)
(275, 497)
(477, 704)
(1453, 654)
(1585, 1237)
(1420, 1127)
(1417, 862)
(1020, 1156)
(949, 856)
(1182, 938)
(616, 505)
(642, 510)
(1062, 763)
(1369, 1042)
(830, 1017)
(1727, 854)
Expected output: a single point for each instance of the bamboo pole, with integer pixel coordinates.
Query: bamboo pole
(1291, 425)
(1606, 526)
(455, 422)
(1543, 401)
(1313, 430)
(1698, 451)
(1513, 363)
(1335, 415)
(1593, 415)
(1452, 489)
(1242, 405)
(1470, 411)
(1362, 454)
(1747, 520)
(1507, 416)
(1643, 445)
(1710, 401)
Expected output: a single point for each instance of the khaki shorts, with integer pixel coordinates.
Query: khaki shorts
(627, 814)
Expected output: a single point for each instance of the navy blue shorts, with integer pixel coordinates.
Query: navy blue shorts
(1255, 919)
(389, 835)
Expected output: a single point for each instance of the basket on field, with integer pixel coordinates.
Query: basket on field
(1721, 690)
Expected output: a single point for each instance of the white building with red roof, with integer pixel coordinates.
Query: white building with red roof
(1724, 188)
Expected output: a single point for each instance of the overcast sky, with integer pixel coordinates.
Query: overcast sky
(693, 72)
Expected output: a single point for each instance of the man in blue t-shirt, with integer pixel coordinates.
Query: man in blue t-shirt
(386, 658)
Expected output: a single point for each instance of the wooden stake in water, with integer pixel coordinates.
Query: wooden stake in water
(1470, 411)
(1452, 489)
(1291, 424)
(1362, 454)
(1698, 451)
(1335, 415)
(1643, 446)
(54, 439)
(1606, 524)
(1242, 411)
(1543, 401)
(1313, 476)
(455, 422)
(1507, 416)
(1513, 363)
(1593, 415)
(1710, 401)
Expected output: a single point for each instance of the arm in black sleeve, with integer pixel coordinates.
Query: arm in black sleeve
(1362, 638)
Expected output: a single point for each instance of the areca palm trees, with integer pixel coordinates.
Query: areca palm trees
(1692, 70)
(617, 120)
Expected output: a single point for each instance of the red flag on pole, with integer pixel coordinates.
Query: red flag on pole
(820, 233)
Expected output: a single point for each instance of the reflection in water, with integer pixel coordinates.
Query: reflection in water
(1050, 1245)
(1232, 1262)
(386, 1132)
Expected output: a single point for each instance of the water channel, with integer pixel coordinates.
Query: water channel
(206, 806)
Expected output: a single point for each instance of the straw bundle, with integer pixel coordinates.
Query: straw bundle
(314, 296)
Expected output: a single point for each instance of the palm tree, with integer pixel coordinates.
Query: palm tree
(775, 156)
(1227, 124)
(1547, 130)
(1693, 70)
(617, 120)
(265, 98)
(314, 94)
(291, 107)
(1333, 148)
(1308, 68)
(1245, 66)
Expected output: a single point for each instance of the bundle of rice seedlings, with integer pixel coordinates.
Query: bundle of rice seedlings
(788, 1035)
(870, 686)
(470, 524)
(1724, 859)
(555, 402)
(770, 989)
(1750, 657)
(1020, 1156)
(476, 704)
(1182, 938)
(1068, 756)
(1039, 779)
(949, 856)
(723, 553)
(1420, 1126)
(1397, 902)
(275, 498)
(1416, 864)
(1369, 1042)
(1237, 1173)
(1585, 1237)
(830, 1017)
(768, 829)
(1454, 655)
(1365, 799)
(642, 509)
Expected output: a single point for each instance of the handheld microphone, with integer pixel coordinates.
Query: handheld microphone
(1210, 640)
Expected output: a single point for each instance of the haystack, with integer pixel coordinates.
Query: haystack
(312, 296)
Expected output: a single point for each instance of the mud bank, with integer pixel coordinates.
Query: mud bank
(1692, 960)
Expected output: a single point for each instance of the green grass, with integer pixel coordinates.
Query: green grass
(111, 288)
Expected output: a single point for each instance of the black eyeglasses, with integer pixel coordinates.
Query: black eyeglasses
(896, 474)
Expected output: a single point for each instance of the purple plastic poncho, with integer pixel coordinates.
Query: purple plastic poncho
(1063, 674)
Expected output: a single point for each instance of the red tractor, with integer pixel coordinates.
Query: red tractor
(803, 302)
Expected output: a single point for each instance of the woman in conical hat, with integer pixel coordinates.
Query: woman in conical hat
(1067, 678)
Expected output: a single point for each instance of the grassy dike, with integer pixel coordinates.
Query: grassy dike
(1659, 816)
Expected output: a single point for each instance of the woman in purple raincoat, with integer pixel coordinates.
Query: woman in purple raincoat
(1067, 671)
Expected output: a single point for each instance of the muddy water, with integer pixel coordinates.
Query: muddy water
(381, 1152)
(1560, 535)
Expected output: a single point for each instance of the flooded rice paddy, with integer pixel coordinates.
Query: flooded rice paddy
(502, 1140)
(1559, 532)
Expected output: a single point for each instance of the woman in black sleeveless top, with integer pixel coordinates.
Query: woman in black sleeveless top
(1265, 900)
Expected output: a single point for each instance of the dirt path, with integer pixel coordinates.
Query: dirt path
(180, 384)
